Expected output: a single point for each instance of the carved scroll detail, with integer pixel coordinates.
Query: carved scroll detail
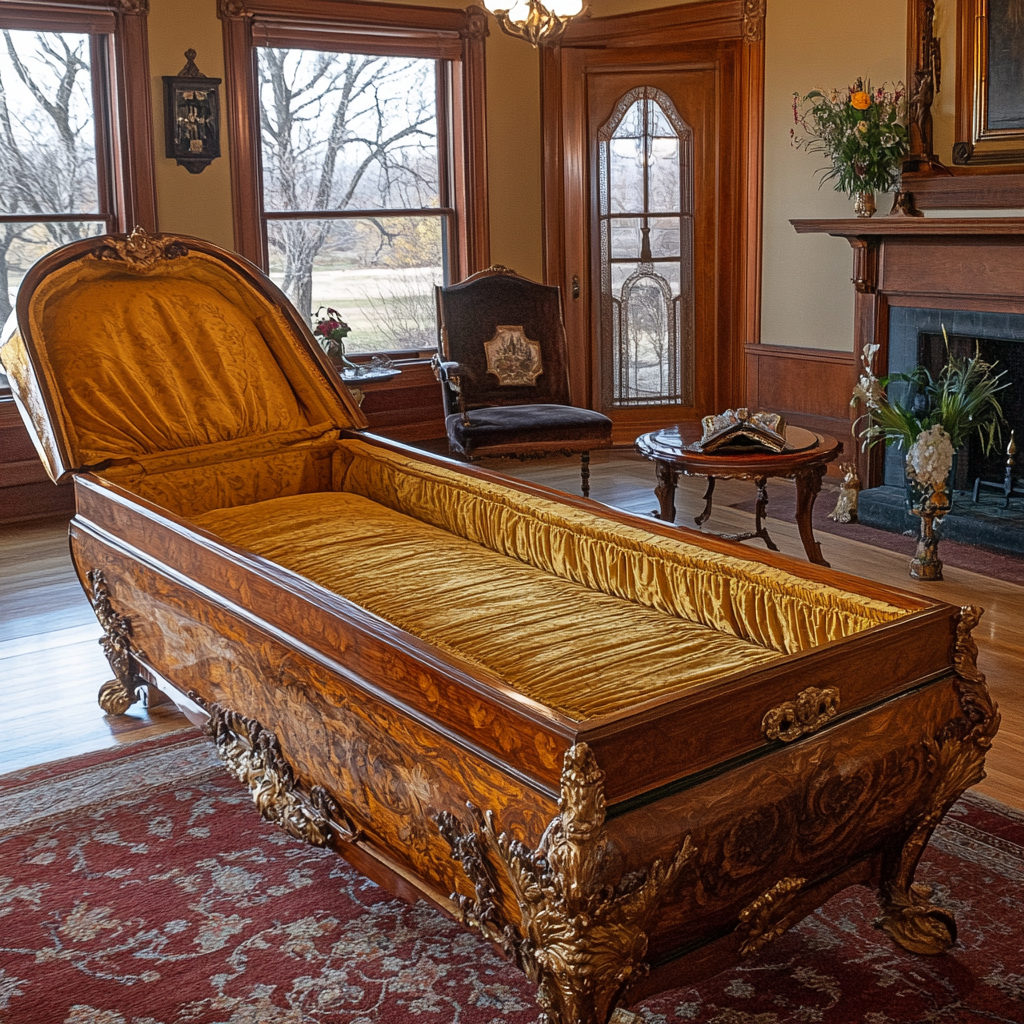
(956, 760)
(580, 935)
(767, 917)
(812, 709)
(140, 252)
(753, 20)
(118, 694)
(476, 23)
(252, 754)
(228, 9)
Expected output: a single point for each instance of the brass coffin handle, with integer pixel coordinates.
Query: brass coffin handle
(812, 709)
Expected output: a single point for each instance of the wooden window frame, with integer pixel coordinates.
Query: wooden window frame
(352, 26)
(125, 156)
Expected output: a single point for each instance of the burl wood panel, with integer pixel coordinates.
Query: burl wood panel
(390, 771)
(808, 810)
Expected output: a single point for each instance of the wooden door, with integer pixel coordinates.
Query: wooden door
(649, 190)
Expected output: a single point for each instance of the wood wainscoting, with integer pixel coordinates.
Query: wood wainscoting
(407, 407)
(811, 387)
(26, 492)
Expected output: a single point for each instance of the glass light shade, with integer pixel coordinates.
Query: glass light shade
(565, 8)
(518, 11)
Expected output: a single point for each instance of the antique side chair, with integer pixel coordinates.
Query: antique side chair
(503, 367)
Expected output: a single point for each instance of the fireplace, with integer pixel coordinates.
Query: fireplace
(912, 276)
(915, 338)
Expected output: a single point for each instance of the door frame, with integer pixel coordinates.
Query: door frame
(729, 33)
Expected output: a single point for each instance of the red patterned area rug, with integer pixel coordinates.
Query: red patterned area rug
(140, 887)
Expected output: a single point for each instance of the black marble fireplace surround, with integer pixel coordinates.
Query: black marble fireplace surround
(986, 523)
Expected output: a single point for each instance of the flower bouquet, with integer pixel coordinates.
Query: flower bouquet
(330, 332)
(862, 131)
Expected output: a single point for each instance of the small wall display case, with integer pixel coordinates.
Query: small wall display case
(192, 116)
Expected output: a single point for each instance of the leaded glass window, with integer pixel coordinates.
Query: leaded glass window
(646, 239)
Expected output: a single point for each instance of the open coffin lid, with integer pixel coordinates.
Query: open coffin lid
(121, 317)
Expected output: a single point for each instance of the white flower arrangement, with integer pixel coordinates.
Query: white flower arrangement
(930, 458)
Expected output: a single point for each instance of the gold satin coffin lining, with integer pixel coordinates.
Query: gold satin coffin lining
(583, 615)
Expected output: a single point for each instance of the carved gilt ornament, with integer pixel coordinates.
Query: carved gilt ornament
(812, 709)
(252, 754)
(513, 358)
(140, 252)
(118, 694)
(768, 916)
(753, 20)
(956, 761)
(579, 936)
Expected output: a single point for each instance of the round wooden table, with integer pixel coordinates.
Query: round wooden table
(805, 457)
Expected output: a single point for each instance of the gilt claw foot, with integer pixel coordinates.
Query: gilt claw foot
(115, 698)
(916, 924)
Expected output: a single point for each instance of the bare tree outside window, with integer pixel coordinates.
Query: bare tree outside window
(354, 134)
(49, 191)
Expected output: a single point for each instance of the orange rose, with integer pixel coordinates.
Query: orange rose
(860, 100)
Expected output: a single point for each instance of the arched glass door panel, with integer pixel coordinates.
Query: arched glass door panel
(646, 238)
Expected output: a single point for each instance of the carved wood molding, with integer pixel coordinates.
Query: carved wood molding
(753, 20)
(956, 759)
(228, 10)
(768, 916)
(476, 23)
(580, 938)
(140, 252)
(121, 692)
(252, 754)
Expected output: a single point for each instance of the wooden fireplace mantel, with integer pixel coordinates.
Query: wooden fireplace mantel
(963, 263)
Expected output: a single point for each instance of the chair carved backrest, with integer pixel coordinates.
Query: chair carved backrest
(507, 335)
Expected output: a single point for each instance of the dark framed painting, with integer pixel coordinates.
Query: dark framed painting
(990, 83)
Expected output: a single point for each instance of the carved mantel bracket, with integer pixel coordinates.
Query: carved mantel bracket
(865, 264)
(579, 937)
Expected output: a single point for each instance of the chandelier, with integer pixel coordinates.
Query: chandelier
(532, 20)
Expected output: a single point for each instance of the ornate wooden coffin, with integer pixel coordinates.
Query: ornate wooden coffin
(625, 753)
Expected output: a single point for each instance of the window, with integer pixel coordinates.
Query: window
(366, 187)
(67, 139)
(646, 219)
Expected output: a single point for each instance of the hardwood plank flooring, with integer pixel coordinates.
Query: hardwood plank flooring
(51, 665)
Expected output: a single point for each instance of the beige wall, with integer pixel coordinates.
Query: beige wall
(188, 204)
(807, 298)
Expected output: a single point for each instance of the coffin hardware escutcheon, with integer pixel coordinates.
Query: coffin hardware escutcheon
(812, 709)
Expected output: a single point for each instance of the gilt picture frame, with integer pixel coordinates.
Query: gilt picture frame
(990, 83)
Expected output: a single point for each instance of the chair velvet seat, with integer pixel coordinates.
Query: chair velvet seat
(526, 424)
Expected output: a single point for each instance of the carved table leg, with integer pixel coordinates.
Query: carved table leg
(708, 497)
(808, 483)
(118, 694)
(760, 510)
(665, 492)
(585, 473)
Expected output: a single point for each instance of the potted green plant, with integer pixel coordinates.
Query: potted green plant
(938, 417)
(863, 131)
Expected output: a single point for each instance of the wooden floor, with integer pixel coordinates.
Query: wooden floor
(51, 665)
